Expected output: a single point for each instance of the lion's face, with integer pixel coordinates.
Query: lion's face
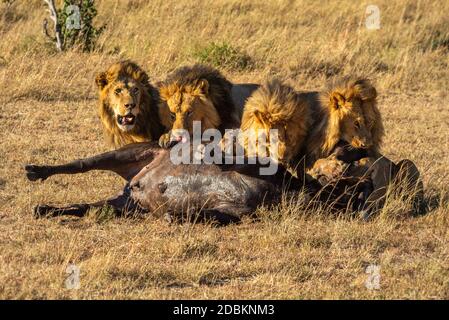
(124, 101)
(354, 127)
(281, 114)
(181, 107)
(122, 88)
(127, 104)
(278, 140)
(280, 150)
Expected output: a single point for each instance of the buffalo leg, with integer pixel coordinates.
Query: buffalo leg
(77, 210)
(225, 213)
(121, 204)
(126, 161)
(404, 177)
(220, 216)
(408, 182)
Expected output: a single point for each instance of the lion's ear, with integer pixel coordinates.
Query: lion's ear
(101, 80)
(203, 86)
(143, 78)
(337, 100)
(365, 90)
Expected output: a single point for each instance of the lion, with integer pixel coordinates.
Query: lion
(128, 104)
(347, 116)
(346, 111)
(339, 131)
(195, 93)
(275, 106)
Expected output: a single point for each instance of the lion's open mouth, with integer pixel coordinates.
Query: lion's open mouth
(126, 120)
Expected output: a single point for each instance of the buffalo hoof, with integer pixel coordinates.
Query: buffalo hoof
(35, 173)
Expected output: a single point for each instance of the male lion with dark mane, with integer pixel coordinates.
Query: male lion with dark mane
(195, 93)
(128, 104)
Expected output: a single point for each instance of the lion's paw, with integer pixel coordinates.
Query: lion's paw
(166, 142)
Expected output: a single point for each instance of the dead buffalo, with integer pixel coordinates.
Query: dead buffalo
(220, 193)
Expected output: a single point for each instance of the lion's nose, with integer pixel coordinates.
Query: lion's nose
(130, 106)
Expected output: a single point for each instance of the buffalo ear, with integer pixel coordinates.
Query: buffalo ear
(203, 85)
(101, 80)
(337, 100)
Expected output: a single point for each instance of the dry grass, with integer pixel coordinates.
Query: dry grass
(48, 115)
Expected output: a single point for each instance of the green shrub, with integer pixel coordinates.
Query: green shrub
(223, 55)
(435, 39)
(74, 26)
(86, 35)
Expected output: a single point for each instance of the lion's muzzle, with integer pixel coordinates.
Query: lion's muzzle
(126, 120)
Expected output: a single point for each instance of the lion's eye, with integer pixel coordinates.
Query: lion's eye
(357, 124)
(189, 113)
(118, 90)
(172, 115)
(135, 89)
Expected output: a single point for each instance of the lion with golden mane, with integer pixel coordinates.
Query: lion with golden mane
(277, 106)
(195, 93)
(348, 117)
(127, 104)
(346, 111)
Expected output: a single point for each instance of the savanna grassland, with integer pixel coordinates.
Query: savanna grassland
(48, 115)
